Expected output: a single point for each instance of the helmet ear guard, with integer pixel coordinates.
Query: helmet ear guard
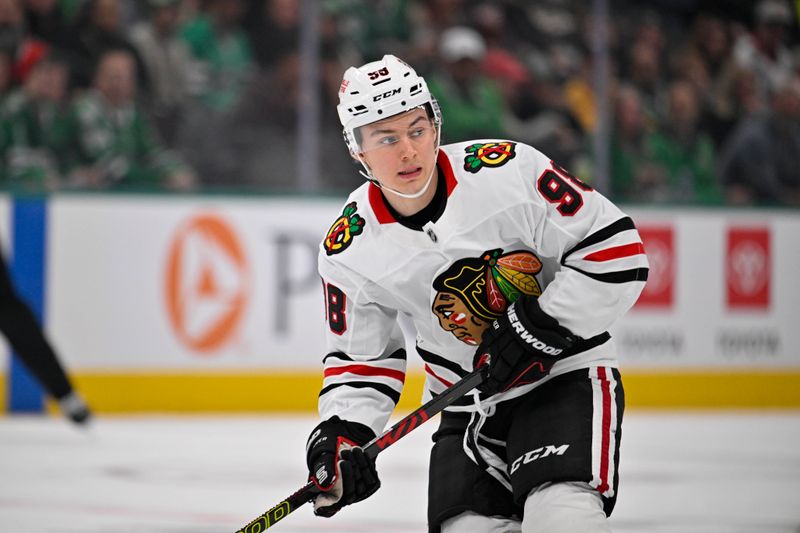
(350, 141)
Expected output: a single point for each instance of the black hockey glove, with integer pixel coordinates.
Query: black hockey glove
(523, 345)
(338, 466)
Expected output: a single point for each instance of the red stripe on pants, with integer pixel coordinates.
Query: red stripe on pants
(605, 429)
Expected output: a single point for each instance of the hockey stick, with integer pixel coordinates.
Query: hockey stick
(374, 447)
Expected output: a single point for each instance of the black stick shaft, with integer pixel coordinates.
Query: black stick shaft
(374, 447)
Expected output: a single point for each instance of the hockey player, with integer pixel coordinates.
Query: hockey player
(26, 337)
(486, 247)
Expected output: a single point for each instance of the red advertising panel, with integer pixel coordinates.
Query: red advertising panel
(748, 268)
(659, 244)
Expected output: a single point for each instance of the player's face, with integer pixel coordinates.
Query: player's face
(401, 151)
(456, 318)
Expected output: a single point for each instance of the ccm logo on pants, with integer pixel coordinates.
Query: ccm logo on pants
(538, 453)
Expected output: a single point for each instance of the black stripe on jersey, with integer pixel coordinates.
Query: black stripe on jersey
(338, 355)
(623, 224)
(380, 387)
(432, 358)
(622, 276)
(397, 354)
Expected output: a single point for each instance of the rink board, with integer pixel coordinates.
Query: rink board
(297, 391)
(161, 303)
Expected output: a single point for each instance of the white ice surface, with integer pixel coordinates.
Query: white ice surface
(680, 473)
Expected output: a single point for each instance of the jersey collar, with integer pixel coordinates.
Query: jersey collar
(378, 203)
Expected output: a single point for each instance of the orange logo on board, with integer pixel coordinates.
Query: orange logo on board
(206, 283)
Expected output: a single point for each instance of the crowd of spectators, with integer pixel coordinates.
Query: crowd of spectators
(181, 95)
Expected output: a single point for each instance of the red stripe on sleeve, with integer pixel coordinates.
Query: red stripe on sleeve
(430, 371)
(626, 250)
(366, 370)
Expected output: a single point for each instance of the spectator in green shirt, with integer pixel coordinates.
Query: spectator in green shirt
(634, 173)
(472, 103)
(672, 164)
(33, 120)
(222, 68)
(685, 151)
(218, 43)
(114, 145)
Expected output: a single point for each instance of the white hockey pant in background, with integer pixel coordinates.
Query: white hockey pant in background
(569, 507)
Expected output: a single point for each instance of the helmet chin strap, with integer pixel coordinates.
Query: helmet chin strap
(398, 193)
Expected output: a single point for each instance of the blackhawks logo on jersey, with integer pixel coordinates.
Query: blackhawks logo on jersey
(489, 155)
(473, 292)
(341, 234)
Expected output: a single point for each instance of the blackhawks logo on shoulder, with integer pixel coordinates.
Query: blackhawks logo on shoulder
(490, 155)
(341, 234)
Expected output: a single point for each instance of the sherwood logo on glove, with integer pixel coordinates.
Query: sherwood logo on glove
(526, 335)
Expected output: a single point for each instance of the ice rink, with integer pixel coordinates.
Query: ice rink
(680, 473)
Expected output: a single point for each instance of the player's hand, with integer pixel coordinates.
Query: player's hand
(338, 466)
(523, 345)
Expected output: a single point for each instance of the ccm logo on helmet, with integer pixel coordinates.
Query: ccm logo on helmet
(387, 94)
(527, 337)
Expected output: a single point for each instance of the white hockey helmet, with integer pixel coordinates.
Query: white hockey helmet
(379, 90)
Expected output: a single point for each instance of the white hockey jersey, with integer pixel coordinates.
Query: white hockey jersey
(514, 223)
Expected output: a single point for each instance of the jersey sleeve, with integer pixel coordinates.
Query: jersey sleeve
(603, 262)
(364, 370)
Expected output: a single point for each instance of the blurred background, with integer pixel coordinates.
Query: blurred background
(686, 102)
(169, 167)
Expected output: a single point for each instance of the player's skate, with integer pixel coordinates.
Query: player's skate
(75, 408)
